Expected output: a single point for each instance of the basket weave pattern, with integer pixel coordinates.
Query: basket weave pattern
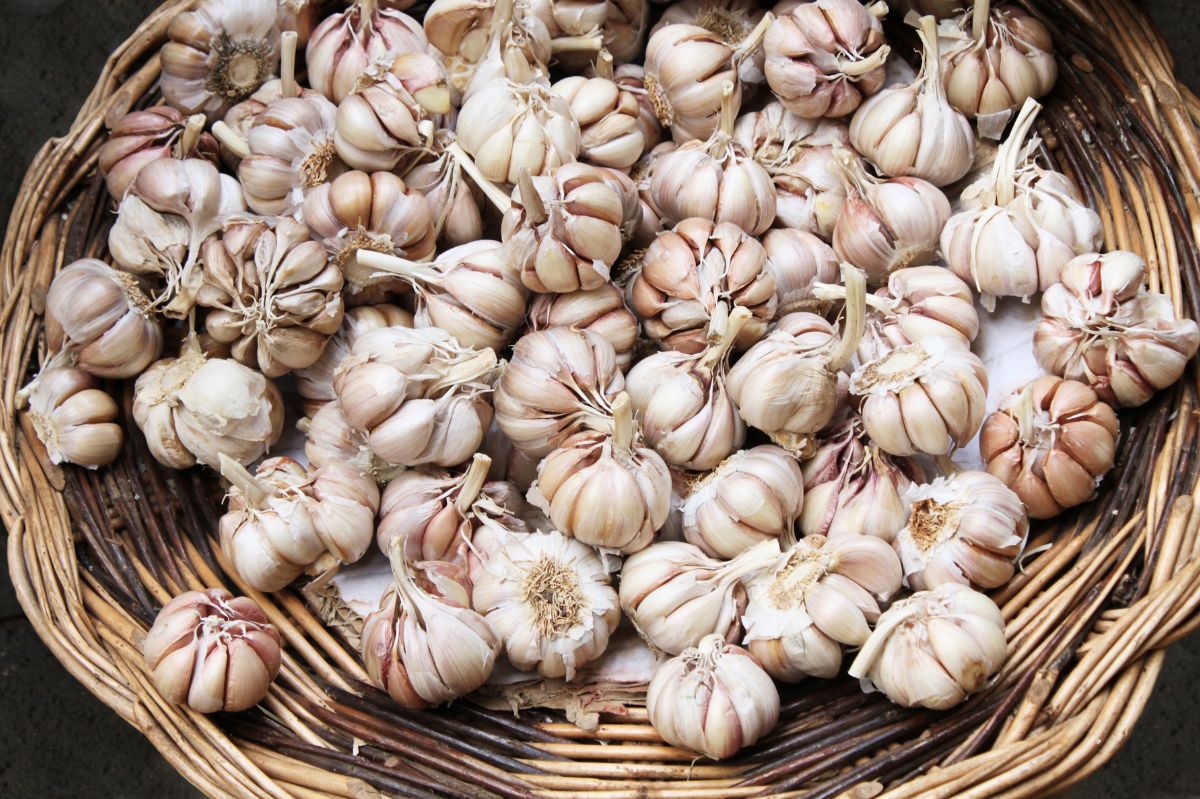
(94, 554)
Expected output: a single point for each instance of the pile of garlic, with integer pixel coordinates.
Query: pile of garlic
(554, 279)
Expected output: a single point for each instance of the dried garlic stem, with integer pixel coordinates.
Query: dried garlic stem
(855, 323)
(622, 411)
(723, 332)
(472, 483)
(879, 9)
(753, 39)
(232, 141)
(604, 65)
(576, 44)
(255, 492)
(535, 209)
(191, 133)
(287, 65)
(502, 14)
(378, 264)
(983, 10)
(729, 114)
(493, 192)
(856, 68)
(931, 64)
(1008, 160)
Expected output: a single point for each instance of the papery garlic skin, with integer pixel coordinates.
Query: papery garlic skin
(345, 44)
(551, 601)
(212, 651)
(219, 54)
(73, 419)
(1100, 328)
(515, 128)
(601, 310)
(967, 528)
(934, 648)
(454, 201)
(314, 383)
(713, 699)
(103, 316)
(140, 137)
(819, 597)
(798, 260)
(291, 153)
(1051, 443)
(752, 496)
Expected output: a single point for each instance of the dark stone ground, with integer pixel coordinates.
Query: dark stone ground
(56, 740)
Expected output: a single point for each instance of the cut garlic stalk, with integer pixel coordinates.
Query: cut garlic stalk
(344, 46)
(74, 420)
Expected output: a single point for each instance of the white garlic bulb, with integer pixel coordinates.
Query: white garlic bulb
(429, 510)
(550, 599)
(967, 528)
(752, 496)
(346, 43)
(731, 20)
(676, 595)
(609, 116)
(713, 699)
(73, 419)
(454, 200)
(329, 439)
(934, 648)
(289, 152)
(819, 597)
(510, 128)
(601, 310)
(1051, 442)
(913, 130)
(1099, 327)
(140, 137)
(925, 397)
(798, 260)
(468, 32)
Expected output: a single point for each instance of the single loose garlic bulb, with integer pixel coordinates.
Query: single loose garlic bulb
(212, 651)
(289, 152)
(564, 230)
(284, 518)
(1100, 328)
(887, 224)
(314, 383)
(753, 496)
(601, 310)
(1051, 442)
(853, 488)
(558, 381)
(913, 130)
(715, 179)
(824, 57)
(609, 116)
(686, 412)
(934, 648)
(513, 127)
(1021, 224)
(343, 47)
(819, 597)
(926, 397)
(103, 317)
(798, 260)
(917, 302)
(606, 490)
(425, 648)
(968, 528)
(219, 54)
(428, 510)
(713, 699)
(453, 200)
(418, 396)
(676, 595)
(73, 419)
(550, 599)
(140, 137)
(690, 272)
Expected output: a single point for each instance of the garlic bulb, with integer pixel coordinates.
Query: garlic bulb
(715, 179)
(713, 699)
(1020, 224)
(689, 272)
(467, 32)
(887, 224)
(272, 294)
(344, 46)
(917, 302)
(426, 648)
(550, 599)
(289, 152)
(1051, 442)
(732, 20)
(993, 60)
(608, 114)
(558, 381)
(212, 651)
(819, 597)
(651, 223)
(428, 511)
(513, 127)
(392, 111)
(453, 199)
(798, 260)
(676, 595)
(140, 137)
(608, 491)
(968, 528)
(1100, 328)
(329, 439)
(73, 419)
(194, 409)
(824, 57)
(681, 400)
(375, 212)
(934, 648)
(601, 310)
(753, 496)
(219, 54)
(314, 383)
(418, 396)
(283, 518)
(786, 385)
(103, 317)
(926, 397)
(913, 130)
(171, 208)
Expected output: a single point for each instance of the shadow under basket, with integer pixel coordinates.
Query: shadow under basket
(93, 555)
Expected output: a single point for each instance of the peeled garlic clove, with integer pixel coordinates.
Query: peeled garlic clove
(346, 43)
(72, 418)
(212, 651)
(291, 152)
(919, 663)
(140, 137)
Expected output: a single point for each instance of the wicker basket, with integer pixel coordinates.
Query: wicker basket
(93, 554)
